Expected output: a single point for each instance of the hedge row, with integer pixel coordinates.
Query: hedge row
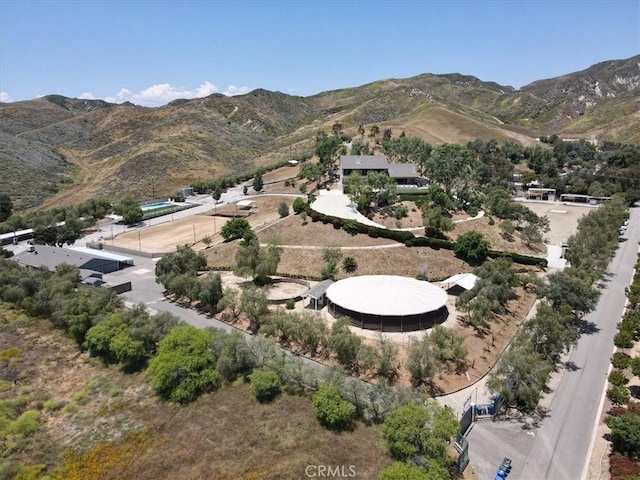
(410, 240)
(337, 222)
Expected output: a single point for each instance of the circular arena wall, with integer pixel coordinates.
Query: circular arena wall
(388, 303)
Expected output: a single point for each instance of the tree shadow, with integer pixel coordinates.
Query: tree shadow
(571, 366)
(635, 391)
(586, 327)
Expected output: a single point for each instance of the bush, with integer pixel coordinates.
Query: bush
(621, 468)
(332, 411)
(620, 360)
(471, 246)
(623, 339)
(265, 383)
(617, 378)
(291, 304)
(618, 395)
(635, 366)
(283, 210)
(299, 205)
(235, 228)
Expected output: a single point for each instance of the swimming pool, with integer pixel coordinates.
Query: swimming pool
(154, 206)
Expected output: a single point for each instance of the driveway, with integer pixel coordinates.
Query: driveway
(337, 204)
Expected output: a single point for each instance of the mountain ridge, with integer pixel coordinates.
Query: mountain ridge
(97, 148)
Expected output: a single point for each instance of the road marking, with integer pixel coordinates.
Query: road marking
(141, 271)
(557, 211)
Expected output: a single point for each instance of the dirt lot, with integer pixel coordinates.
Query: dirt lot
(192, 229)
(563, 218)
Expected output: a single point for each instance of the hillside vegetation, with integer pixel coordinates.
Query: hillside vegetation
(56, 150)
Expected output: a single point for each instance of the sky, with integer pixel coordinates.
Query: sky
(151, 52)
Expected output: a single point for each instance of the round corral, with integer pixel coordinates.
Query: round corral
(280, 290)
(388, 303)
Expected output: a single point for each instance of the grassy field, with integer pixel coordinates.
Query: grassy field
(94, 422)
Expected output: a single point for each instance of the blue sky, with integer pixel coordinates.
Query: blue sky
(151, 52)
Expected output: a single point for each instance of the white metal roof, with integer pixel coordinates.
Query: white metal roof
(464, 280)
(387, 295)
(102, 254)
(245, 203)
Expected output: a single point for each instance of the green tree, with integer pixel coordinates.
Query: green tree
(235, 228)
(344, 343)
(333, 411)
(283, 209)
(520, 375)
(210, 292)
(129, 209)
(255, 261)
(435, 222)
(6, 207)
(258, 183)
(415, 430)
(421, 361)
(185, 365)
(266, 384)
(571, 287)
(507, 229)
(451, 165)
(299, 205)
(447, 345)
(349, 264)
(471, 246)
(386, 359)
(254, 304)
(184, 262)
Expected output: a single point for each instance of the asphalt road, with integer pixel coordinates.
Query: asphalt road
(562, 444)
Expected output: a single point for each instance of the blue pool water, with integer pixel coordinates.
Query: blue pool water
(154, 206)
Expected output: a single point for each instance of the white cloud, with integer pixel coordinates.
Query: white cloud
(87, 96)
(163, 93)
(5, 97)
(233, 90)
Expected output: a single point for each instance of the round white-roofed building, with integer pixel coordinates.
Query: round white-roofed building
(388, 303)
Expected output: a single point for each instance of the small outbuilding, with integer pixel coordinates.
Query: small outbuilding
(459, 283)
(318, 293)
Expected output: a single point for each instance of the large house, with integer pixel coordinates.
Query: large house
(402, 173)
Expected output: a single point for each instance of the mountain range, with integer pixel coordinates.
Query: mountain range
(56, 150)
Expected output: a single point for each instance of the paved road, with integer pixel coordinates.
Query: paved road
(562, 443)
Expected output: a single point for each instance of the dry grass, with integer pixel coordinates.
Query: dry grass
(223, 435)
(397, 259)
(493, 234)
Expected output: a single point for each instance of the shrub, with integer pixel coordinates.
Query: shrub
(620, 360)
(235, 228)
(471, 246)
(291, 304)
(333, 411)
(623, 339)
(635, 366)
(299, 205)
(283, 210)
(265, 383)
(617, 378)
(618, 395)
(621, 468)
(350, 226)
